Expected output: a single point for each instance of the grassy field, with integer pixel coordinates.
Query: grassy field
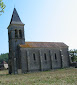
(54, 77)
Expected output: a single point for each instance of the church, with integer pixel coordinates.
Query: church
(33, 56)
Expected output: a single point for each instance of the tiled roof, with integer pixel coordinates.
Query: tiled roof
(15, 18)
(43, 45)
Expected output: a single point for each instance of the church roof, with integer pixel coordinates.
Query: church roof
(43, 45)
(15, 18)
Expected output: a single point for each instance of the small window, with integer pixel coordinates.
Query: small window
(34, 57)
(20, 33)
(45, 56)
(16, 34)
(55, 57)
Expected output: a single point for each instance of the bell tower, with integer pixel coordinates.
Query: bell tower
(15, 37)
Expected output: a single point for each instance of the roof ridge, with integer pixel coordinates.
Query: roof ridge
(43, 45)
(42, 42)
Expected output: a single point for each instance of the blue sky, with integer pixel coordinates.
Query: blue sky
(45, 20)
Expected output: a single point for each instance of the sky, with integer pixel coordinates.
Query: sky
(45, 21)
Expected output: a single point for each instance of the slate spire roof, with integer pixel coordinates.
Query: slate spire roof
(15, 18)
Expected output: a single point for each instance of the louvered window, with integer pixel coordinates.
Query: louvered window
(16, 34)
(20, 33)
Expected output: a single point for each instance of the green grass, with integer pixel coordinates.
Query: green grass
(53, 77)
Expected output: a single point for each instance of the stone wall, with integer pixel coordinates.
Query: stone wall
(40, 59)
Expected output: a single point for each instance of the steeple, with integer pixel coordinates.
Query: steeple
(15, 18)
(16, 37)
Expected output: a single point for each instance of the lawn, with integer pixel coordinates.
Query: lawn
(54, 77)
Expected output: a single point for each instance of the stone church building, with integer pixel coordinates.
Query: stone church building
(33, 56)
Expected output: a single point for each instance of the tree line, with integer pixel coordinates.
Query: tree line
(4, 57)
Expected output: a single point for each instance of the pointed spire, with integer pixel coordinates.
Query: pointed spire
(15, 18)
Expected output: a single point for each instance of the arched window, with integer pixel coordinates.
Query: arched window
(55, 57)
(20, 33)
(45, 56)
(16, 34)
(34, 56)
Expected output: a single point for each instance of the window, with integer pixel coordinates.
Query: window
(45, 56)
(9, 35)
(20, 33)
(34, 57)
(16, 34)
(55, 57)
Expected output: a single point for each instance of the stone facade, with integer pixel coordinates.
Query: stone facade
(45, 59)
(33, 56)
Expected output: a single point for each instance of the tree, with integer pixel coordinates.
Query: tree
(2, 7)
(73, 54)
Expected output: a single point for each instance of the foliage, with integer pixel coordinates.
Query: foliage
(2, 7)
(53, 77)
(73, 54)
(4, 57)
